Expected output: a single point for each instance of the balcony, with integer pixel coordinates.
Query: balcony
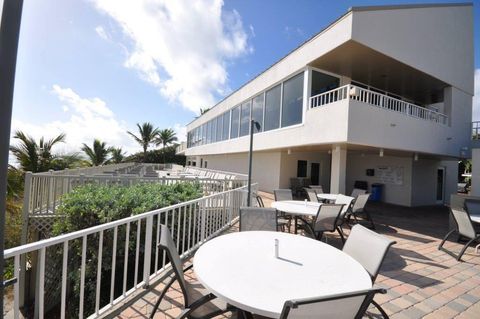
(180, 150)
(382, 101)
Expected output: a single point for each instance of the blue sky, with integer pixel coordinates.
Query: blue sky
(95, 68)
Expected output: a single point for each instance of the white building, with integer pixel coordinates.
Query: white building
(382, 95)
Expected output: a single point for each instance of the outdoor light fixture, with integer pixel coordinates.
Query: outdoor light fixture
(415, 157)
(381, 152)
(289, 151)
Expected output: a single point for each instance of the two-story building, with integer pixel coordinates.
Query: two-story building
(382, 95)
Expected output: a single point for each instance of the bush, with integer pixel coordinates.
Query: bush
(93, 205)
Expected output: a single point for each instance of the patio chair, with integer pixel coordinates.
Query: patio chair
(259, 201)
(357, 191)
(327, 220)
(369, 249)
(464, 228)
(198, 302)
(358, 208)
(258, 218)
(339, 306)
(312, 194)
(347, 202)
(317, 188)
(283, 194)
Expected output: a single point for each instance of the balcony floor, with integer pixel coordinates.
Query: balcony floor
(421, 280)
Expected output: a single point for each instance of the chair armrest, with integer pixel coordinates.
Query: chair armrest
(187, 311)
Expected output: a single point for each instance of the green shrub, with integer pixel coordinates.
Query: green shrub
(93, 205)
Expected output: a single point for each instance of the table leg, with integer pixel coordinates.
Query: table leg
(295, 225)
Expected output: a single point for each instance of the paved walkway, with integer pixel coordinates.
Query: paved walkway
(422, 282)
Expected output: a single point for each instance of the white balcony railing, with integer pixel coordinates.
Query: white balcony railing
(191, 224)
(383, 101)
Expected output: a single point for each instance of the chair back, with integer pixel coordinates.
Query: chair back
(283, 194)
(317, 188)
(346, 201)
(166, 243)
(312, 194)
(338, 306)
(260, 201)
(258, 218)
(357, 191)
(368, 248)
(464, 223)
(360, 202)
(327, 217)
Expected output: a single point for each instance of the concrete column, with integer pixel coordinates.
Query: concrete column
(307, 90)
(475, 172)
(338, 170)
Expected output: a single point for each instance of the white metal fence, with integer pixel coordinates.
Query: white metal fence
(383, 101)
(123, 253)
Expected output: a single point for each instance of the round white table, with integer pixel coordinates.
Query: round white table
(241, 268)
(475, 218)
(329, 197)
(297, 207)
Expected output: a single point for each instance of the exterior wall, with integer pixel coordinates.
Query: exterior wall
(435, 40)
(424, 181)
(265, 166)
(394, 194)
(476, 172)
(288, 167)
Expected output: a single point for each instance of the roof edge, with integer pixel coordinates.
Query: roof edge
(410, 6)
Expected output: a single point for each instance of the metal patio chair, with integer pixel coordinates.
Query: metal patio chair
(198, 302)
(284, 219)
(327, 220)
(464, 228)
(258, 218)
(357, 191)
(358, 208)
(317, 188)
(369, 249)
(312, 194)
(338, 306)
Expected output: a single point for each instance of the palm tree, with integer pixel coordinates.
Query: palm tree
(117, 155)
(98, 155)
(165, 137)
(146, 136)
(33, 156)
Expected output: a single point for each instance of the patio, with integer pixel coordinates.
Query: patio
(421, 280)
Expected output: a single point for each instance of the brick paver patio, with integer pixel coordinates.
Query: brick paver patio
(422, 282)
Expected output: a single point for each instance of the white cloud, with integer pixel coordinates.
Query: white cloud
(181, 131)
(102, 33)
(89, 118)
(182, 46)
(476, 97)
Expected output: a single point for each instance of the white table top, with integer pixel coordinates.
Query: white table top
(297, 207)
(475, 218)
(328, 196)
(241, 269)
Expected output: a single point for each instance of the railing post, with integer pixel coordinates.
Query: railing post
(25, 215)
(148, 251)
(203, 222)
(82, 179)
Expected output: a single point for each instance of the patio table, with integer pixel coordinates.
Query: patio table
(475, 218)
(242, 270)
(329, 197)
(297, 208)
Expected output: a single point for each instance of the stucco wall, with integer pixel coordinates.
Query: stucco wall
(288, 167)
(394, 194)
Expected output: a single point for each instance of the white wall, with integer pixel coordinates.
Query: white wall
(435, 40)
(265, 166)
(394, 194)
(288, 167)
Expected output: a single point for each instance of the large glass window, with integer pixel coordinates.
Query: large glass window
(214, 130)
(235, 122)
(245, 118)
(219, 128)
(226, 125)
(322, 82)
(272, 108)
(204, 134)
(209, 132)
(292, 101)
(257, 111)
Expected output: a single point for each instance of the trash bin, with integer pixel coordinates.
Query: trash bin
(376, 192)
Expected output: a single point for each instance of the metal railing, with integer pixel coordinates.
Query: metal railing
(130, 241)
(44, 191)
(383, 101)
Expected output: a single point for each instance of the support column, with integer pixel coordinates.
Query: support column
(338, 170)
(475, 172)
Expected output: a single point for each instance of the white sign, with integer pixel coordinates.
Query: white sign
(390, 174)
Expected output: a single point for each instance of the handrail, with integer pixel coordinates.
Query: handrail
(380, 100)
